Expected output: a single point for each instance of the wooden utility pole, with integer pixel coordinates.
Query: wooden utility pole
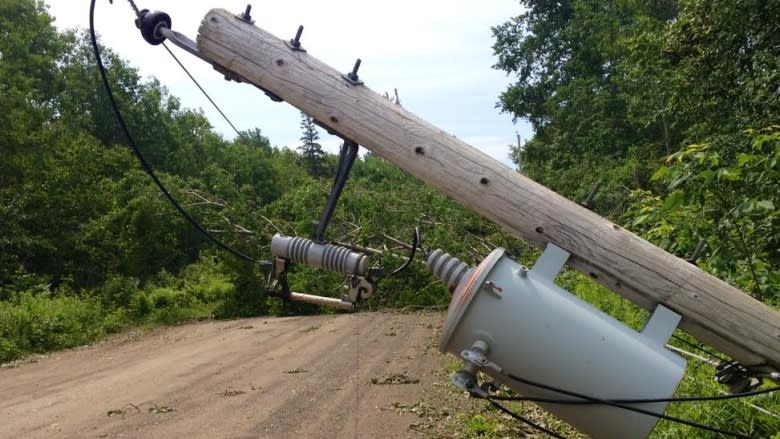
(713, 311)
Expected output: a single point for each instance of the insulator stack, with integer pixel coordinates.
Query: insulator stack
(447, 268)
(325, 256)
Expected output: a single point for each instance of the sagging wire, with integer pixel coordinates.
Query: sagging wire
(144, 163)
(197, 84)
(138, 14)
(415, 245)
(730, 373)
(700, 349)
(524, 419)
(640, 400)
(494, 398)
(716, 364)
(626, 407)
(586, 400)
(683, 352)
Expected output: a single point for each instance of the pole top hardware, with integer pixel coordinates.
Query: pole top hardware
(152, 25)
(245, 16)
(352, 77)
(295, 43)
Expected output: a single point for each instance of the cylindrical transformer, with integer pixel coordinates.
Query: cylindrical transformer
(324, 256)
(540, 332)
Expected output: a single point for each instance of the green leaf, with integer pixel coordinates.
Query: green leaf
(743, 158)
(678, 181)
(729, 174)
(660, 173)
(639, 220)
(673, 201)
(765, 204)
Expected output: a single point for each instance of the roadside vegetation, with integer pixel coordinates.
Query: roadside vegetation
(673, 105)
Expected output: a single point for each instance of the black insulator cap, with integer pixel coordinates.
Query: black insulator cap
(150, 23)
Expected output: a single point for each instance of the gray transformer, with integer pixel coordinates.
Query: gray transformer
(528, 327)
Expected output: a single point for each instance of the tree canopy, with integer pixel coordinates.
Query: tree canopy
(615, 90)
(618, 85)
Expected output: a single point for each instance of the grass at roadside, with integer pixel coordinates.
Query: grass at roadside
(37, 320)
(39, 323)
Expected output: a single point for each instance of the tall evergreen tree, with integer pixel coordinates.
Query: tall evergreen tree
(311, 150)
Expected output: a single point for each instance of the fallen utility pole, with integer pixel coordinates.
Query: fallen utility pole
(713, 311)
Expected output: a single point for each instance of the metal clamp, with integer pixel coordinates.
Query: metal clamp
(358, 288)
(477, 358)
(736, 377)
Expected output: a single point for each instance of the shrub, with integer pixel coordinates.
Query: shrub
(41, 322)
(118, 291)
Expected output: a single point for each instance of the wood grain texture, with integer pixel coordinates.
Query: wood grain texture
(713, 311)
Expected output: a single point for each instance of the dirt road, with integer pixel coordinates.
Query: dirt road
(303, 377)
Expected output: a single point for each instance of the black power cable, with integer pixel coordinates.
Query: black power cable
(524, 420)
(144, 163)
(640, 401)
(626, 407)
(700, 349)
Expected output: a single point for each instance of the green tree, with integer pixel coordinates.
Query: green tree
(566, 58)
(310, 149)
(29, 50)
(728, 195)
(725, 56)
(611, 87)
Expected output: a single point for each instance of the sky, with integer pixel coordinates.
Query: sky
(436, 53)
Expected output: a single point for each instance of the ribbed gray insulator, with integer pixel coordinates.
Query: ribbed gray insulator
(445, 267)
(325, 256)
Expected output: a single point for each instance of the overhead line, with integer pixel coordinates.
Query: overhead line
(238, 133)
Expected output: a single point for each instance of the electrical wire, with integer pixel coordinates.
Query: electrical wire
(132, 5)
(715, 364)
(144, 163)
(700, 349)
(640, 400)
(238, 133)
(525, 420)
(681, 351)
(197, 84)
(626, 407)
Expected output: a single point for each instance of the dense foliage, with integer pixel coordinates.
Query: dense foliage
(615, 90)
